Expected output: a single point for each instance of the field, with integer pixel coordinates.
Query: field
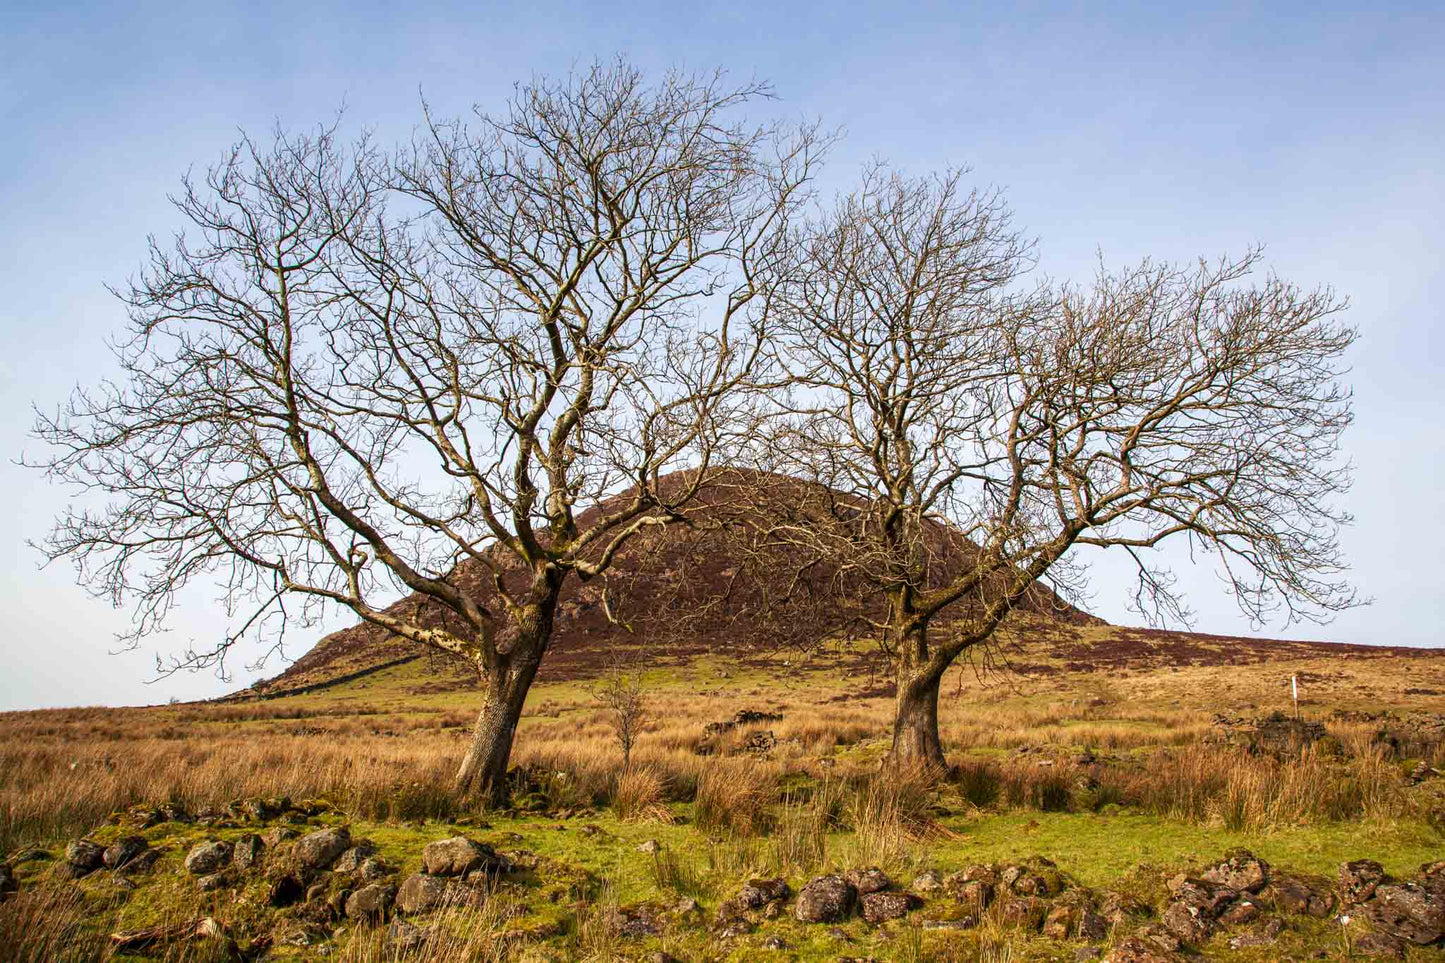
(1091, 767)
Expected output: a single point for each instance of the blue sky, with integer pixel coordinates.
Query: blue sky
(1134, 130)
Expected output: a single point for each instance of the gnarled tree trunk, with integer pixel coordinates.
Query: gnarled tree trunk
(915, 723)
(484, 768)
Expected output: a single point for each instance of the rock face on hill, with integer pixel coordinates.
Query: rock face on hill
(686, 587)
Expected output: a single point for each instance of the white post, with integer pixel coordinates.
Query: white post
(1294, 688)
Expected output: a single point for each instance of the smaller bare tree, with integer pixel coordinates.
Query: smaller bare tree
(621, 691)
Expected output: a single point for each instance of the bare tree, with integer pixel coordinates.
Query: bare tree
(461, 372)
(622, 693)
(961, 437)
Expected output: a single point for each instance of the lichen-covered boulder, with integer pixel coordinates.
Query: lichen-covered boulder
(319, 850)
(1025, 912)
(1359, 879)
(757, 893)
(1409, 911)
(879, 906)
(1188, 923)
(457, 857)
(139, 863)
(1060, 922)
(85, 855)
(208, 857)
(123, 851)
(827, 899)
(371, 902)
(350, 861)
(1241, 870)
(870, 880)
(1299, 896)
(928, 881)
(420, 893)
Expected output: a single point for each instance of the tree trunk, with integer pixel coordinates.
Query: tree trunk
(915, 721)
(484, 769)
(915, 726)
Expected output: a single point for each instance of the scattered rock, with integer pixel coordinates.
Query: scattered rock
(870, 880)
(757, 893)
(636, 924)
(140, 863)
(85, 855)
(1118, 907)
(405, 938)
(208, 857)
(1091, 926)
(319, 850)
(1241, 911)
(277, 835)
(1295, 895)
(1188, 923)
(123, 851)
(827, 899)
(1241, 870)
(421, 892)
(369, 870)
(247, 851)
(1409, 911)
(651, 846)
(1359, 879)
(1379, 945)
(1060, 921)
(459, 856)
(1025, 912)
(351, 860)
(928, 882)
(880, 907)
(370, 902)
(211, 882)
(1137, 950)
(774, 943)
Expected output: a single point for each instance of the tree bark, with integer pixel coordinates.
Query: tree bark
(915, 721)
(915, 725)
(483, 771)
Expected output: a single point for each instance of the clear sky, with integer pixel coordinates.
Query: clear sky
(1317, 129)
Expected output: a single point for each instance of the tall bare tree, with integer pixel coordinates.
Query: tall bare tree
(963, 438)
(460, 371)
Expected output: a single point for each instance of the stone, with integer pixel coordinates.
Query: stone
(650, 847)
(1085, 953)
(370, 902)
(757, 893)
(211, 882)
(1294, 895)
(1379, 946)
(880, 907)
(319, 850)
(929, 881)
(85, 855)
(1241, 911)
(1208, 898)
(636, 924)
(285, 891)
(421, 892)
(406, 938)
(7, 880)
(370, 870)
(1060, 921)
(1409, 911)
(1091, 926)
(208, 857)
(139, 863)
(123, 851)
(826, 899)
(1025, 912)
(685, 906)
(277, 835)
(774, 943)
(1359, 879)
(1188, 923)
(351, 860)
(871, 880)
(458, 856)
(974, 893)
(1137, 950)
(247, 851)
(1158, 935)
(1241, 870)
(316, 891)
